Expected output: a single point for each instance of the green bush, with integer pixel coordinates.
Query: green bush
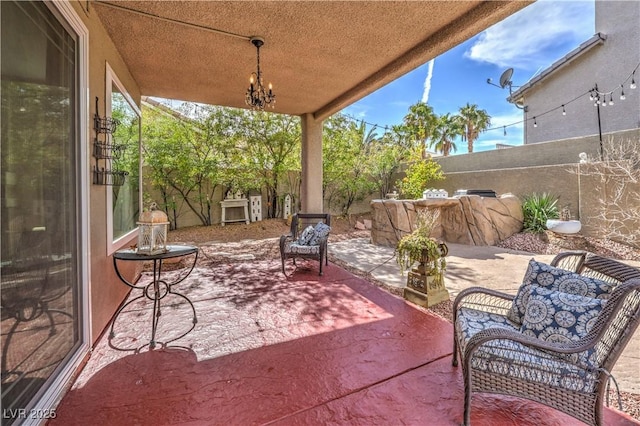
(537, 209)
(420, 173)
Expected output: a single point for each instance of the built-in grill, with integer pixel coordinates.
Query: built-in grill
(481, 192)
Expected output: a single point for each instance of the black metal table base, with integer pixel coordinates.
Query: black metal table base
(158, 288)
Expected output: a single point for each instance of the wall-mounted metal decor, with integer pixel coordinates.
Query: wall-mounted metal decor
(105, 150)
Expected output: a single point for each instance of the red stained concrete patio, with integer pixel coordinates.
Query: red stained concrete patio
(307, 350)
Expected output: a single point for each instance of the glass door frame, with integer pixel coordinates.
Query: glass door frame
(52, 393)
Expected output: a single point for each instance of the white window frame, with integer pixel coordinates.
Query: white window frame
(124, 240)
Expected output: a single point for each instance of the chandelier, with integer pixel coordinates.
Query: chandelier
(257, 96)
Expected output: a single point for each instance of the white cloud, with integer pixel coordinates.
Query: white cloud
(523, 40)
(507, 119)
(357, 111)
(427, 82)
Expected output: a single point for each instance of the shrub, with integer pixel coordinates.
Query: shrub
(419, 174)
(537, 209)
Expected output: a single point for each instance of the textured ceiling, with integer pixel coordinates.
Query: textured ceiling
(320, 56)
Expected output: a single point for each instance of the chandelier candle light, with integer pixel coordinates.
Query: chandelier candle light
(257, 96)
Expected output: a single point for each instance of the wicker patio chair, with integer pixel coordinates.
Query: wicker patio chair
(291, 246)
(570, 376)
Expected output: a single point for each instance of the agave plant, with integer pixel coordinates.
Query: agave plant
(537, 208)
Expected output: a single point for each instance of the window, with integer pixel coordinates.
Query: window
(123, 202)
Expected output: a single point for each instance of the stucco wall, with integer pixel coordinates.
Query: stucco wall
(607, 65)
(107, 291)
(550, 167)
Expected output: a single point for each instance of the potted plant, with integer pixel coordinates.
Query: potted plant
(419, 247)
(425, 283)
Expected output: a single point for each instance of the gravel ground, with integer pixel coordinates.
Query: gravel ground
(260, 239)
(550, 243)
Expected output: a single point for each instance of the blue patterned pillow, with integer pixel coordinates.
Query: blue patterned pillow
(306, 236)
(546, 276)
(560, 317)
(320, 231)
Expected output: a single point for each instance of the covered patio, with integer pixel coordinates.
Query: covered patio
(266, 349)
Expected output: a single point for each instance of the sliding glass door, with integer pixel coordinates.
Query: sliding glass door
(40, 265)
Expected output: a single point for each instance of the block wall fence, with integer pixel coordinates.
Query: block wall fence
(551, 167)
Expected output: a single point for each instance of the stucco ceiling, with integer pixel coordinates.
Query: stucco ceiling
(320, 56)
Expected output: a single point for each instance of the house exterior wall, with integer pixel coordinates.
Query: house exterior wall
(107, 291)
(606, 65)
(551, 167)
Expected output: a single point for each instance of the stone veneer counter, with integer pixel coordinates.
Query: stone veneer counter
(468, 219)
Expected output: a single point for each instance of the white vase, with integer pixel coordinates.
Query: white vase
(564, 226)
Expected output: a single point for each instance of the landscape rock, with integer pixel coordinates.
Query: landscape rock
(470, 219)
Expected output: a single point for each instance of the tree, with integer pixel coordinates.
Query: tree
(474, 121)
(270, 148)
(185, 154)
(346, 175)
(615, 188)
(386, 155)
(446, 129)
(419, 124)
(419, 174)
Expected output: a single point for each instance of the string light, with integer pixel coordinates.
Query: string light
(596, 96)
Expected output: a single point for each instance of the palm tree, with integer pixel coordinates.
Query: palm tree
(473, 121)
(419, 123)
(366, 138)
(446, 129)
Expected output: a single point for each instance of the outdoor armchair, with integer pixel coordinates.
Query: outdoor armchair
(307, 239)
(556, 341)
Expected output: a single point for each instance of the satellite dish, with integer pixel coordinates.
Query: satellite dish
(505, 78)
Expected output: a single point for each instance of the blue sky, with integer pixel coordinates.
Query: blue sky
(528, 41)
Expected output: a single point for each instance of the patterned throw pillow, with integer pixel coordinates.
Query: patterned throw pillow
(320, 231)
(306, 236)
(560, 317)
(546, 276)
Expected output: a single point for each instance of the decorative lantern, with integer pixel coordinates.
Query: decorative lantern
(152, 231)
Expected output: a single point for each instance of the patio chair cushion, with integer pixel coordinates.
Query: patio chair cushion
(320, 231)
(509, 358)
(555, 279)
(305, 236)
(561, 318)
(512, 359)
(470, 321)
(301, 248)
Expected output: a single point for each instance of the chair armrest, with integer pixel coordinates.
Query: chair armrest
(483, 299)
(283, 240)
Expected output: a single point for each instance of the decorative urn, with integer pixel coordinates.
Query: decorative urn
(152, 231)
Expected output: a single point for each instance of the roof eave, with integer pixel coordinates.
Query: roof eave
(585, 47)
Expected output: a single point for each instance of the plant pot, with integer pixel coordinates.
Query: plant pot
(427, 264)
(564, 226)
(425, 283)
